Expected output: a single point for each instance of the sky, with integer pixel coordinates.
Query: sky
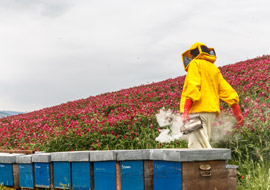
(55, 51)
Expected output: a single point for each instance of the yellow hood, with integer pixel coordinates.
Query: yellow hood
(187, 57)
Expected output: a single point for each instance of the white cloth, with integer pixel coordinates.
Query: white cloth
(201, 138)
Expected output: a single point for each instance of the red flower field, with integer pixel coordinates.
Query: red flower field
(126, 119)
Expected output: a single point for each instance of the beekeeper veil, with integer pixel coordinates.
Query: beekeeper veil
(198, 51)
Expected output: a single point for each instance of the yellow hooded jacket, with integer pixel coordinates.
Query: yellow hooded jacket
(205, 85)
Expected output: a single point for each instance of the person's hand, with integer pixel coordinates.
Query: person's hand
(237, 114)
(185, 115)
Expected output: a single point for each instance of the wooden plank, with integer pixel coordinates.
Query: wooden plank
(16, 182)
(33, 171)
(167, 175)
(232, 178)
(105, 175)
(132, 175)
(51, 177)
(118, 175)
(148, 175)
(92, 176)
(221, 178)
(18, 151)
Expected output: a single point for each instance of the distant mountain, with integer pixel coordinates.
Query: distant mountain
(8, 113)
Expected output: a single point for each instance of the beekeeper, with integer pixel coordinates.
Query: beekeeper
(204, 86)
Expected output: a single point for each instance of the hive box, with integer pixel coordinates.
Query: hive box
(80, 169)
(43, 170)
(9, 171)
(61, 170)
(26, 171)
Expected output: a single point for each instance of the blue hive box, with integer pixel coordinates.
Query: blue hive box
(7, 168)
(61, 170)
(42, 169)
(105, 170)
(26, 171)
(80, 169)
(167, 175)
(6, 174)
(26, 176)
(132, 175)
(81, 176)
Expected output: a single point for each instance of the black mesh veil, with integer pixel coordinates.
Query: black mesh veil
(190, 54)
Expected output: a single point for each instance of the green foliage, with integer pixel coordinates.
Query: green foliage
(140, 135)
(2, 187)
(250, 146)
(256, 175)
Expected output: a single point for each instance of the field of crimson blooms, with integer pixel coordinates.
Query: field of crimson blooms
(126, 120)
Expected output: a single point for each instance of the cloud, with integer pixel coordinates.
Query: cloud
(48, 8)
(57, 51)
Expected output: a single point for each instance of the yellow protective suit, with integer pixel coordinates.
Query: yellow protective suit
(204, 83)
